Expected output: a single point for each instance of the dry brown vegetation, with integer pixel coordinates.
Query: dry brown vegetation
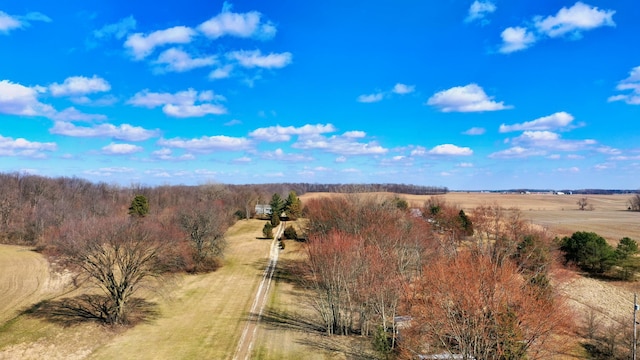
(608, 304)
(560, 213)
(201, 316)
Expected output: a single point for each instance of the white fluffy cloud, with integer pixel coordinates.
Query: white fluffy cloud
(370, 98)
(402, 89)
(550, 140)
(23, 147)
(284, 133)
(207, 144)
(255, 59)
(280, 155)
(8, 22)
(167, 154)
(181, 104)
(339, 144)
(516, 39)
(221, 72)
(177, 60)
(79, 85)
(73, 114)
(398, 88)
(11, 22)
(450, 149)
(551, 122)
(142, 45)
(242, 25)
(517, 152)
(579, 17)
(16, 99)
(124, 132)
(468, 98)
(121, 149)
(479, 10)
(632, 84)
(568, 21)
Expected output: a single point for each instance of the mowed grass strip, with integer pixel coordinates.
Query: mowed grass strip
(204, 316)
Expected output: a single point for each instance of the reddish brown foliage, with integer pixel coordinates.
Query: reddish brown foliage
(361, 252)
(472, 306)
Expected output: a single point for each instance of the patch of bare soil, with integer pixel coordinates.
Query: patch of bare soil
(25, 279)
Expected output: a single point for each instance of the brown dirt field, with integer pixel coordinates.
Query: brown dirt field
(25, 279)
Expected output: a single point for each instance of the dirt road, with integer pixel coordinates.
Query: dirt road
(247, 339)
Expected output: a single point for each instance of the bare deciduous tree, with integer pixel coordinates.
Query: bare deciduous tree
(205, 226)
(118, 257)
(584, 204)
(634, 203)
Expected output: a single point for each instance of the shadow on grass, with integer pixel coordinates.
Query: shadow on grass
(288, 321)
(349, 347)
(291, 272)
(90, 308)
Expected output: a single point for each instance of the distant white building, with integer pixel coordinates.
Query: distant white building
(263, 209)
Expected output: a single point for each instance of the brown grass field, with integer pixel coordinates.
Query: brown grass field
(559, 213)
(202, 316)
(198, 316)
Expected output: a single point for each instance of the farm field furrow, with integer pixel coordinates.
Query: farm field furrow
(25, 279)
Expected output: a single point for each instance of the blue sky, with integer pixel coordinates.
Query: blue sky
(484, 94)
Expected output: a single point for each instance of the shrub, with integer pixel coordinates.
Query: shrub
(240, 215)
(267, 230)
(290, 233)
(589, 251)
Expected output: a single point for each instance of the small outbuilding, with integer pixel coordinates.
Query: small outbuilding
(263, 210)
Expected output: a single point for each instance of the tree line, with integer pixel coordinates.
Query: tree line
(303, 188)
